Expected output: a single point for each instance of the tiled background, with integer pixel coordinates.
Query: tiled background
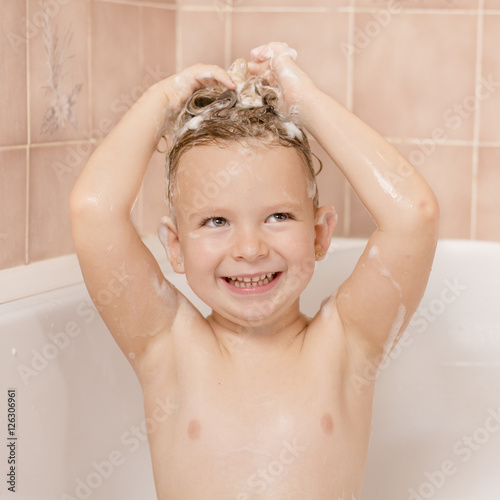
(424, 73)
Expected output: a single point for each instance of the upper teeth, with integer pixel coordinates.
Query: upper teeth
(255, 279)
(246, 281)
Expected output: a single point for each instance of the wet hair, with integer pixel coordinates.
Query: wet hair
(220, 116)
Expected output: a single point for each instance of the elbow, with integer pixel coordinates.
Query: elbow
(428, 209)
(425, 215)
(80, 204)
(85, 206)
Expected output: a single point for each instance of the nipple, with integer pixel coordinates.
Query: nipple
(194, 429)
(327, 423)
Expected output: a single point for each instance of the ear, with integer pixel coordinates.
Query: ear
(324, 224)
(169, 237)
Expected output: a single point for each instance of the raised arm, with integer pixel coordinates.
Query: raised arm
(379, 298)
(123, 278)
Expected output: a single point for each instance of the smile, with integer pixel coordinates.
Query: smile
(251, 282)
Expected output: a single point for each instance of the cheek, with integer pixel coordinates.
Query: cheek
(300, 243)
(201, 253)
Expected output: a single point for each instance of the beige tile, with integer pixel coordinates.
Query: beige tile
(58, 71)
(13, 34)
(488, 195)
(152, 197)
(291, 4)
(397, 5)
(317, 37)
(330, 185)
(490, 92)
(53, 172)
(448, 171)
(159, 62)
(362, 225)
(12, 207)
(116, 75)
(219, 4)
(158, 46)
(202, 36)
(414, 74)
(492, 5)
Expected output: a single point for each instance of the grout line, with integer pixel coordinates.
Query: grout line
(141, 3)
(28, 141)
(349, 104)
(209, 7)
(228, 34)
(423, 141)
(90, 115)
(140, 199)
(477, 123)
(393, 140)
(178, 40)
(403, 10)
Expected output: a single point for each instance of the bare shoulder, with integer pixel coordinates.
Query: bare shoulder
(325, 340)
(342, 369)
(175, 345)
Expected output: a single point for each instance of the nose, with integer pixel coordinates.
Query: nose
(249, 245)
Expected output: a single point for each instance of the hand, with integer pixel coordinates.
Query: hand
(179, 88)
(276, 63)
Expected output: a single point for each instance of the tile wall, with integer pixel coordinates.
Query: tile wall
(424, 73)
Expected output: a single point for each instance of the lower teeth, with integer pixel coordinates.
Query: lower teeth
(250, 284)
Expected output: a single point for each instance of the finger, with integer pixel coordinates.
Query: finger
(258, 68)
(272, 51)
(261, 53)
(207, 75)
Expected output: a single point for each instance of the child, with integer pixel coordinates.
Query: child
(270, 404)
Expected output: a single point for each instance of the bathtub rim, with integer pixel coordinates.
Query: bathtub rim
(48, 275)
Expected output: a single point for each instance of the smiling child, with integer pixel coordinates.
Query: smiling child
(269, 402)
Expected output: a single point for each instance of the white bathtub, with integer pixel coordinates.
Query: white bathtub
(78, 407)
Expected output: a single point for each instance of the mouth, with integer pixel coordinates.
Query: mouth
(251, 282)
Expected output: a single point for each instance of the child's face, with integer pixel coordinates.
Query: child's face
(244, 212)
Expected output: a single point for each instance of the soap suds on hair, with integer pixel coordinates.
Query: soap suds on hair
(265, 52)
(292, 130)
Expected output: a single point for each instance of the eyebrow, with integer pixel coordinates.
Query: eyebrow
(212, 210)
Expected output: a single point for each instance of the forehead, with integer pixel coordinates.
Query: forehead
(241, 167)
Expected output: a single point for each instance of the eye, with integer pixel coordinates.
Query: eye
(279, 217)
(215, 222)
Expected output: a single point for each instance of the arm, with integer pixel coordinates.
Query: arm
(123, 279)
(379, 298)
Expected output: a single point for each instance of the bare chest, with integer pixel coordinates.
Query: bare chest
(276, 433)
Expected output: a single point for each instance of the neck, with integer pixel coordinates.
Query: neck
(249, 336)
